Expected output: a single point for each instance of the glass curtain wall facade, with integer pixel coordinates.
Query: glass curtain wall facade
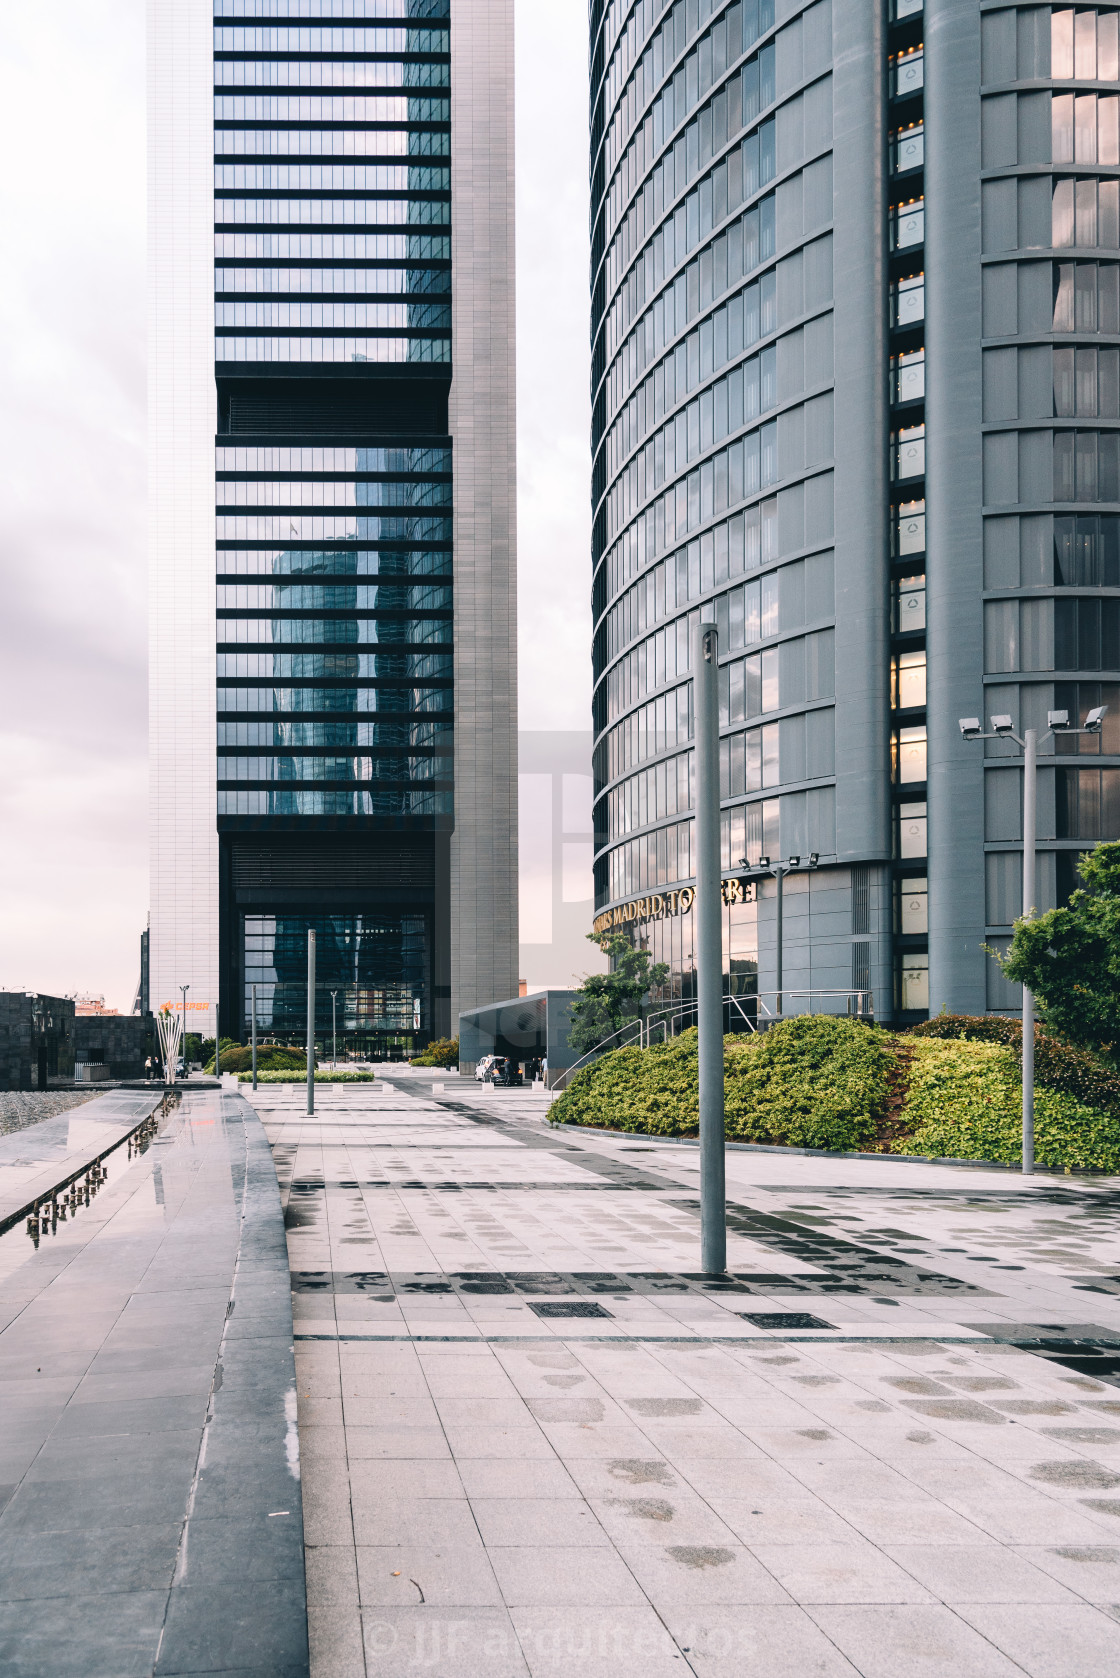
(776, 299)
(344, 565)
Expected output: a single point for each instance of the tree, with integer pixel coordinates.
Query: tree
(1070, 958)
(606, 1001)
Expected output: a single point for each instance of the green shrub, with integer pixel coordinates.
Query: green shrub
(965, 1102)
(443, 1052)
(811, 1082)
(1058, 1065)
(295, 1076)
(271, 1057)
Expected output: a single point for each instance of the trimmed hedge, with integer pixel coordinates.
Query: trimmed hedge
(300, 1077)
(823, 1082)
(811, 1082)
(271, 1057)
(1057, 1065)
(965, 1102)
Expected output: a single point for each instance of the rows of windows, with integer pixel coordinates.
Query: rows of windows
(1079, 550)
(356, 73)
(348, 281)
(748, 539)
(315, 597)
(334, 699)
(316, 142)
(352, 732)
(238, 458)
(339, 492)
(740, 322)
(414, 10)
(336, 212)
(334, 349)
(304, 527)
(795, 671)
(782, 600)
(397, 666)
(288, 767)
(737, 30)
(387, 801)
(330, 177)
(1086, 212)
(659, 858)
(657, 727)
(337, 317)
(731, 257)
(1051, 466)
(330, 107)
(1052, 634)
(726, 478)
(337, 247)
(724, 408)
(798, 748)
(665, 789)
(370, 38)
(734, 107)
(342, 632)
(345, 562)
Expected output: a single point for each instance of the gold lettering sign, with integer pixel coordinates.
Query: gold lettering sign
(662, 905)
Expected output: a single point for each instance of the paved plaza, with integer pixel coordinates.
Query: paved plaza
(535, 1440)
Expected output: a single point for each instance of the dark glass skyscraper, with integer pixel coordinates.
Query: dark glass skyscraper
(354, 574)
(812, 223)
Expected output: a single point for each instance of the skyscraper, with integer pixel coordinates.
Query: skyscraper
(810, 224)
(333, 698)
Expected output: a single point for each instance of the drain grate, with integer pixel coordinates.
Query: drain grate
(783, 1319)
(568, 1308)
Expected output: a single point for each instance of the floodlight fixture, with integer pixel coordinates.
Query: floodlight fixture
(1095, 718)
(970, 727)
(1002, 725)
(1057, 719)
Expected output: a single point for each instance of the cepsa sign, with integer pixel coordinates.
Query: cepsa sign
(661, 905)
(192, 1007)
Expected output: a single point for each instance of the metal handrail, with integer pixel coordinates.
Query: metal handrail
(761, 1018)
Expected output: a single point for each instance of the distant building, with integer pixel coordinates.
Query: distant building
(92, 1005)
(36, 1039)
(556, 852)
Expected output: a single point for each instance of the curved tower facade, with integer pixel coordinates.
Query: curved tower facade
(774, 302)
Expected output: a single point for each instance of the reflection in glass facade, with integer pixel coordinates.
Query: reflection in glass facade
(334, 548)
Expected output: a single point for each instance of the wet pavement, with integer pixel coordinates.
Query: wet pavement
(150, 1512)
(536, 1440)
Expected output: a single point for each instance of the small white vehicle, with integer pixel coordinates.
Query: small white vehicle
(482, 1070)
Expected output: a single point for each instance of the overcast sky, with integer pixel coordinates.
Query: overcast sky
(73, 696)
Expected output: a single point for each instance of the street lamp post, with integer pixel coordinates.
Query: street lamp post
(708, 912)
(334, 1030)
(253, 1029)
(184, 989)
(310, 1021)
(1057, 722)
(779, 869)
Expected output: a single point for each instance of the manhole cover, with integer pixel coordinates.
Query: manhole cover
(783, 1319)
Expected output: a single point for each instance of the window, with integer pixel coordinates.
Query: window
(1083, 45)
(909, 605)
(907, 73)
(909, 681)
(1086, 297)
(912, 906)
(1087, 803)
(1086, 212)
(908, 148)
(1086, 635)
(910, 529)
(908, 224)
(1086, 465)
(909, 457)
(910, 754)
(1087, 551)
(1086, 382)
(908, 376)
(1084, 128)
(911, 834)
(909, 298)
(914, 982)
